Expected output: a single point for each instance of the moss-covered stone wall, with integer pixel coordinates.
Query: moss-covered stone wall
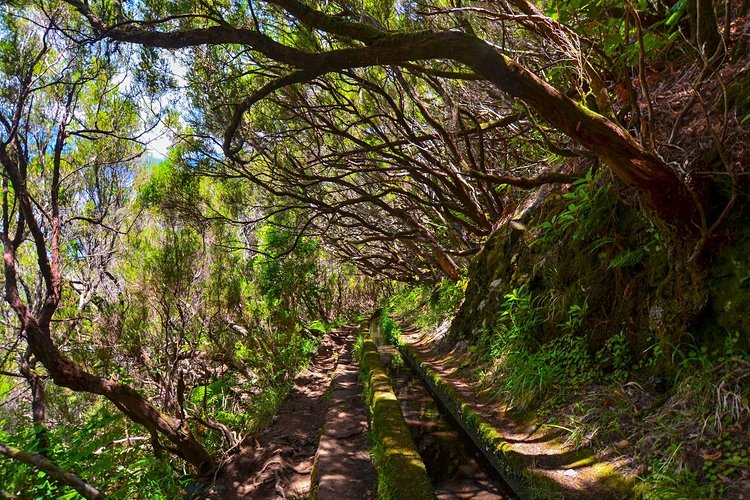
(586, 247)
(401, 471)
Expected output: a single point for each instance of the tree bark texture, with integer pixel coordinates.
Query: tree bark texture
(38, 406)
(704, 28)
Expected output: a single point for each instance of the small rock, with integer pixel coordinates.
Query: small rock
(570, 473)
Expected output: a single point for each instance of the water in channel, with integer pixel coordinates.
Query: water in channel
(454, 465)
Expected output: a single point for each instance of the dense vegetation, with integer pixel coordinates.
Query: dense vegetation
(566, 179)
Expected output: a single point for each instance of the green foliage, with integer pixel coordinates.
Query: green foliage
(319, 327)
(168, 183)
(275, 271)
(168, 265)
(583, 213)
(627, 259)
(527, 373)
(98, 452)
(616, 358)
(573, 269)
(278, 356)
(389, 328)
(408, 300)
(518, 317)
(6, 385)
(216, 399)
(706, 409)
(289, 275)
(425, 306)
(447, 296)
(609, 22)
(175, 299)
(728, 461)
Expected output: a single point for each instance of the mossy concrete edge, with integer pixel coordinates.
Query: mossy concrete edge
(495, 449)
(401, 471)
(315, 470)
(511, 465)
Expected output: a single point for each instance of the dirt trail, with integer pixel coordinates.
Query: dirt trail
(573, 472)
(344, 468)
(280, 462)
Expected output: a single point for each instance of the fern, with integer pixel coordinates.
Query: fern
(627, 259)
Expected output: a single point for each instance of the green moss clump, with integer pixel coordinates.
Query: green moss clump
(729, 288)
(401, 471)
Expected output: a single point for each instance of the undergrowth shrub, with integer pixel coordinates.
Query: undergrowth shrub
(408, 300)
(708, 408)
(318, 327)
(526, 372)
(567, 292)
(99, 453)
(423, 306)
(265, 406)
(389, 329)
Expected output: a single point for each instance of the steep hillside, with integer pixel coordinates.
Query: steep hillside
(584, 310)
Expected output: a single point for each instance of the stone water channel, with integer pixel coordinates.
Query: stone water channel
(456, 468)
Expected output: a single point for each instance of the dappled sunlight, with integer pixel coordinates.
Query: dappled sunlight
(524, 446)
(538, 209)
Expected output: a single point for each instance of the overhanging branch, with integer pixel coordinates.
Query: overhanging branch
(54, 471)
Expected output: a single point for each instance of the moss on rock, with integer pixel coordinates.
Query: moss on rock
(401, 471)
(729, 289)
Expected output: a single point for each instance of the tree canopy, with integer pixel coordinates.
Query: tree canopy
(322, 154)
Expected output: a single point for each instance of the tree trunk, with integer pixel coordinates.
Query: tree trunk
(704, 29)
(664, 190)
(38, 407)
(447, 265)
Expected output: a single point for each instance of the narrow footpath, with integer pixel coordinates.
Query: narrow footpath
(571, 472)
(325, 408)
(343, 465)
